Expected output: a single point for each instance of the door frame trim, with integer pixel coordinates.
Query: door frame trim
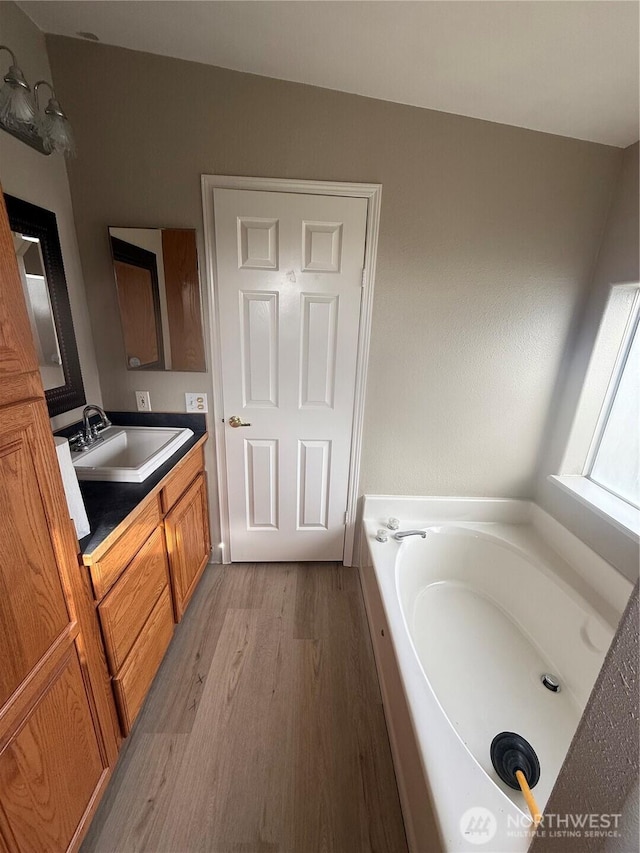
(373, 194)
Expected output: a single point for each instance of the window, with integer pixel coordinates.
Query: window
(614, 461)
(601, 464)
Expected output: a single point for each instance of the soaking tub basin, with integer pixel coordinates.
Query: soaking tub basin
(478, 611)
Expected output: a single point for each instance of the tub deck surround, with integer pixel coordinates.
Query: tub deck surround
(496, 595)
(109, 503)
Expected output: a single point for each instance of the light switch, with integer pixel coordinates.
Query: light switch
(196, 402)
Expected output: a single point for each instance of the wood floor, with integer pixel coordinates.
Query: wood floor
(264, 731)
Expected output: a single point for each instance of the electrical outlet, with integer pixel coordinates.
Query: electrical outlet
(143, 401)
(196, 402)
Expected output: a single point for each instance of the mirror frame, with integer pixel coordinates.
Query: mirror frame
(37, 222)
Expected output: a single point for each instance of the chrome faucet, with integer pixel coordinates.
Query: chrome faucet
(103, 423)
(89, 435)
(402, 534)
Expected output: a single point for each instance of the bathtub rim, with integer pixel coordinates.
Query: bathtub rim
(599, 583)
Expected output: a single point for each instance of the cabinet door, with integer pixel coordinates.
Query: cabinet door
(51, 768)
(188, 543)
(33, 611)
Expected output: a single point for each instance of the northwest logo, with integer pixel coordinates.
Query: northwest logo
(478, 825)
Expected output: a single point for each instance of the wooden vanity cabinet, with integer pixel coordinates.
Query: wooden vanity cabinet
(144, 575)
(58, 729)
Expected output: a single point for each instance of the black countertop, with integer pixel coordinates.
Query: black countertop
(108, 504)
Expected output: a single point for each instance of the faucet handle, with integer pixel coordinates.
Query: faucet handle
(78, 441)
(382, 535)
(393, 523)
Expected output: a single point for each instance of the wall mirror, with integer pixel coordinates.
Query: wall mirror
(37, 246)
(156, 275)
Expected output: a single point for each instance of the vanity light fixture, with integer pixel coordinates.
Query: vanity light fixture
(20, 114)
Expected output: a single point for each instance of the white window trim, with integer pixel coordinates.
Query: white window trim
(622, 515)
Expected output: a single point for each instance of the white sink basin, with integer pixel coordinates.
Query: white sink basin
(129, 454)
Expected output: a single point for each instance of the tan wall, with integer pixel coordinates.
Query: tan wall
(43, 181)
(487, 242)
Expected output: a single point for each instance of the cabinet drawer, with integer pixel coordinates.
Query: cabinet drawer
(128, 605)
(134, 679)
(108, 568)
(181, 478)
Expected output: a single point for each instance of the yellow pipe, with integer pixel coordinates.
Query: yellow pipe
(530, 799)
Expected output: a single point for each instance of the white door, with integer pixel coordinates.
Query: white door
(289, 278)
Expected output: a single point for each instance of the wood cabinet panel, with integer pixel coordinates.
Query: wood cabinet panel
(180, 259)
(20, 387)
(188, 542)
(126, 608)
(51, 770)
(184, 474)
(17, 352)
(108, 568)
(132, 683)
(33, 612)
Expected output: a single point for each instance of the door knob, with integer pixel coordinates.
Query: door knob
(235, 421)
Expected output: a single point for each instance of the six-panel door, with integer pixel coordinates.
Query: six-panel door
(289, 280)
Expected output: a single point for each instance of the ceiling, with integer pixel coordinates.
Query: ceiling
(568, 67)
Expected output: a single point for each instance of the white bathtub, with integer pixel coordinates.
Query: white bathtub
(464, 623)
